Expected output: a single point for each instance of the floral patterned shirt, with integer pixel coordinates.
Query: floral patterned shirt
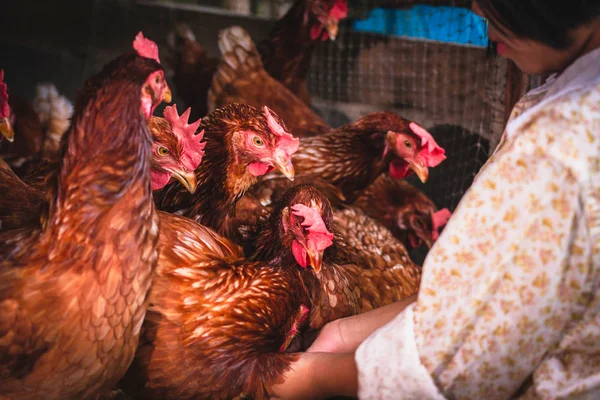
(509, 304)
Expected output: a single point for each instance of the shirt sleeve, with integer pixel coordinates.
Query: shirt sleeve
(498, 289)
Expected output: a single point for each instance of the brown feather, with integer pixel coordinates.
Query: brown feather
(20, 204)
(73, 291)
(351, 156)
(334, 291)
(216, 321)
(241, 78)
(223, 176)
(400, 207)
(387, 273)
(287, 51)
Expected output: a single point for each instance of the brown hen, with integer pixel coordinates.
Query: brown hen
(364, 266)
(241, 78)
(193, 69)
(242, 144)
(353, 156)
(73, 291)
(17, 115)
(286, 53)
(408, 213)
(217, 324)
(387, 273)
(299, 233)
(176, 152)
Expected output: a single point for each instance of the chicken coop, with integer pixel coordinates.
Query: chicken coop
(427, 60)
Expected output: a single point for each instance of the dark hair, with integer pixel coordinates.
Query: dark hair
(546, 21)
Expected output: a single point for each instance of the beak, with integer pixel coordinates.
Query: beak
(6, 129)
(419, 167)
(332, 29)
(286, 167)
(167, 96)
(187, 179)
(316, 259)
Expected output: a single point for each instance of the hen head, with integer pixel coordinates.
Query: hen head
(257, 140)
(328, 14)
(6, 116)
(413, 150)
(155, 90)
(176, 149)
(422, 226)
(306, 219)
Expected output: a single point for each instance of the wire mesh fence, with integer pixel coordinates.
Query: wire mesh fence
(427, 60)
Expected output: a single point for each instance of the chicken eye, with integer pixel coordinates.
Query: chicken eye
(258, 142)
(157, 80)
(163, 151)
(408, 144)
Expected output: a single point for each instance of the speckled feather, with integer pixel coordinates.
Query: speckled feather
(335, 290)
(73, 292)
(387, 274)
(349, 157)
(393, 202)
(20, 204)
(222, 180)
(216, 321)
(287, 51)
(240, 78)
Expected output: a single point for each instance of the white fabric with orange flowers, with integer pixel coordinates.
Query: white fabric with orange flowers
(509, 304)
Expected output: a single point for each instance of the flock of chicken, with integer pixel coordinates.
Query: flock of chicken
(271, 222)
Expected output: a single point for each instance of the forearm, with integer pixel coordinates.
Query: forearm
(335, 374)
(354, 330)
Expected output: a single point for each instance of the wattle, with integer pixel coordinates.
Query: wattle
(259, 168)
(299, 254)
(399, 169)
(159, 179)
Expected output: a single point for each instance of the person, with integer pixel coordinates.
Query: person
(509, 303)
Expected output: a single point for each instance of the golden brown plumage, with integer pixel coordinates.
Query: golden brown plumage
(352, 156)
(20, 204)
(365, 267)
(241, 78)
(334, 288)
(240, 146)
(403, 209)
(217, 324)
(387, 273)
(287, 51)
(73, 290)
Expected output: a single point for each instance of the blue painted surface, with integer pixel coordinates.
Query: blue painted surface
(442, 24)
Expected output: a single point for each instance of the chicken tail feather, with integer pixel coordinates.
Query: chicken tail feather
(239, 57)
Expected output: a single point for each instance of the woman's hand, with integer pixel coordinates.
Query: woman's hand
(344, 335)
(319, 376)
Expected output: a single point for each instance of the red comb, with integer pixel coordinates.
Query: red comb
(439, 219)
(193, 150)
(313, 222)
(145, 47)
(287, 142)
(4, 108)
(431, 151)
(339, 10)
